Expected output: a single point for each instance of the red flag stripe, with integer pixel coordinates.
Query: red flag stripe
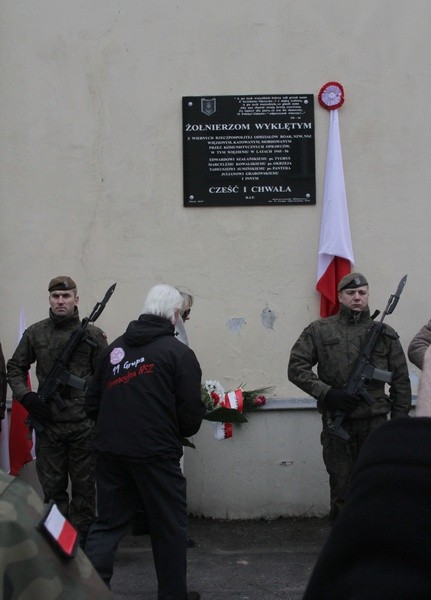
(20, 436)
(327, 285)
(20, 440)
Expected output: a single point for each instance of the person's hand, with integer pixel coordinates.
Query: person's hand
(36, 408)
(423, 405)
(341, 400)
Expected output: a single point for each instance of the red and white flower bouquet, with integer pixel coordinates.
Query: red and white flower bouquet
(226, 408)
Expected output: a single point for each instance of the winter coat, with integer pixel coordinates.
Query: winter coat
(146, 393)
(418, 346)
(43, 343)
(333, 344)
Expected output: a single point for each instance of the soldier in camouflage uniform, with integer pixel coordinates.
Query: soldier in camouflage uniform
(63, 447)
(29, 565)
(3, 386)
(334, 344)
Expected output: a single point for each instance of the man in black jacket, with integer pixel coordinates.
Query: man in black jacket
(145, 396)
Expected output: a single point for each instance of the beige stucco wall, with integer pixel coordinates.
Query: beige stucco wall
(91, 186)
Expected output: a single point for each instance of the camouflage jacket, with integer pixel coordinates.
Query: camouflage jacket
(419, 344)
(30, 567)
(42, 343)
(3, 384)
(334, 344)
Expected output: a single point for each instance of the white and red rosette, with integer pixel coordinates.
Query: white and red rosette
(223, 431)
(331, 95)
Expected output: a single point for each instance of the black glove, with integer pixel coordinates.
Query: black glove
(36, 408)
(340, 400)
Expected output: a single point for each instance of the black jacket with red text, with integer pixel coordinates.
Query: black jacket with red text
(146, 393)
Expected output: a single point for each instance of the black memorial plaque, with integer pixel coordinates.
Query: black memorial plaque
(249, 150)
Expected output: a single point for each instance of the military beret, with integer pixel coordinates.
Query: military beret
(62, 282)
(352, 281)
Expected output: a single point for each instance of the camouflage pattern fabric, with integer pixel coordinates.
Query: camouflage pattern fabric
(63, 448)
(30, 568)
(419, 345)
(340, 458)
(42, 343)
(334, 344)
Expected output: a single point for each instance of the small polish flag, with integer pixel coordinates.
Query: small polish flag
(223, 431)
(234, 400)
(61, 531)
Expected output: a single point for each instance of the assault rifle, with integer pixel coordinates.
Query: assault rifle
(59, 375)
(363, 371)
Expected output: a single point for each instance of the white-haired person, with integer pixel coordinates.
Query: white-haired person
(145, 396)
(379, 547)
(180, 330)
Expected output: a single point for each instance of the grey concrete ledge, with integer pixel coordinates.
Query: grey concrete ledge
(289, 403)
(297, 403)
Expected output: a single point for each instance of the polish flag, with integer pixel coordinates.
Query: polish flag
(335, 258)
(20, 436)
(223, 431)
(61, 531)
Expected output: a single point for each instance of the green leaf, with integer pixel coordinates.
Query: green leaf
(225, 415)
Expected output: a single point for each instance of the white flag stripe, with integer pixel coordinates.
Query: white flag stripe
(335, 239)
(232, 400)
(219, 431)
(55, 521)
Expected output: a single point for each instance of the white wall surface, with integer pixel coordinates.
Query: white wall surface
(91, 186)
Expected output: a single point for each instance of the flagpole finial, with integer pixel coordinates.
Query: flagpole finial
(331, 95)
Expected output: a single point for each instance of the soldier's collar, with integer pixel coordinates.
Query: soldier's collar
(352, 315)
(64, 321)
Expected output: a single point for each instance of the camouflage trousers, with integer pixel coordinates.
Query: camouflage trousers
(63, 451)
(340, 456)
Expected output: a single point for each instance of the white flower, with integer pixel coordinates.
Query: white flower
(212, 385)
